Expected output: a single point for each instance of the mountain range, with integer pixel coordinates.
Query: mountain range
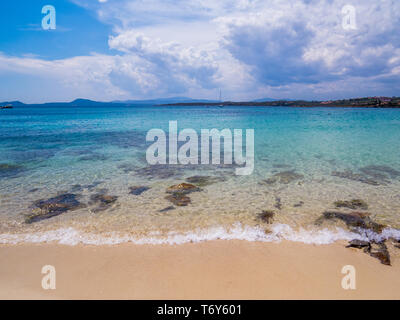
(92, 103)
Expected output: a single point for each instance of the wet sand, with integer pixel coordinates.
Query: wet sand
(207, 270)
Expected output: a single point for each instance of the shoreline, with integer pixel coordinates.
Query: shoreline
(249, 105)
(221, 269)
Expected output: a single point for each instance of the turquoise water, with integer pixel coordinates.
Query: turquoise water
(330, 154)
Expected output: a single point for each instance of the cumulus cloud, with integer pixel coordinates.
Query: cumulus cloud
(176, 67)
(249, 48)
(85, 76)
(305, 43)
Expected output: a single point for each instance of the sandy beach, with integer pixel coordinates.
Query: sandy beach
(207, 270)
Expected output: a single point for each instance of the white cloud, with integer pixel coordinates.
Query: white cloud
(249, 48)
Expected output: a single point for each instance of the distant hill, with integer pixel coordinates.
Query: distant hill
(92, 103)
(263, 99)
(368, 102)
(164, 101)
(86, 103)
(12, 103)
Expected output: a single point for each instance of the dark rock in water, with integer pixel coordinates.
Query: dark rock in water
(299, 204)
(103, 198)
(355, 177)
(33, 190)
(127, 167)
(203, 181)
(352, 204)
(179, 199)
(358, 244)
(76, 188)
(354, 219)
(159, 171)
(332, 162)
(284, 177)
(10, 170)
(52, 207)
(138, 190)
(278, 203)
(182, 188)
(351, 219)
(103, 201)
(101, 191)
(93, 157)
(32, 155)
(381, 178)
(93, 185)
(167, 209)
(281, 166)
(123, 139)
(380, 252)
(266, 216)
(380, 172)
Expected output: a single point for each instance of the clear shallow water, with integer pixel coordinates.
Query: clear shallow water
(323, 155)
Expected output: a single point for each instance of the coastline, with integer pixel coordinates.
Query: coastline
(222, 269)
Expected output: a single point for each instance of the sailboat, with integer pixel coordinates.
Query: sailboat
(220, 99)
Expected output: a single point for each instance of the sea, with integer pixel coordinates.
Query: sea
(79, 175)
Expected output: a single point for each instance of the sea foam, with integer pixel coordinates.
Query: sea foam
(278, 232)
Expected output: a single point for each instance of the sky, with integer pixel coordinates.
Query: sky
(108, 50)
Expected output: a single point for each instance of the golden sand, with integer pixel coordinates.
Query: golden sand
(208, 270)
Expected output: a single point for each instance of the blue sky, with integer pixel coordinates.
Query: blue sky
(137, 49)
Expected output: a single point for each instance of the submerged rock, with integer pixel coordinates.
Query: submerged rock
(281, 166)
(127, 167)
(278, 203)
(103, 201)
(352, 204)
(138, 190)
(381, 172)
(354, 220)
(10, 170)
(299, 204)
(266, 216)
(347, 174)
(7, 166)
(76, 188)
(284, 177)
(169, 208)
(93, 157)
(203, 181)
(182, 188)
(93, 185)
(52, 207)
(159, 171)
(103, 198)
(179, 199)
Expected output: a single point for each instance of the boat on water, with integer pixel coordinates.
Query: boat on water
(8, 106)
(220, 99)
